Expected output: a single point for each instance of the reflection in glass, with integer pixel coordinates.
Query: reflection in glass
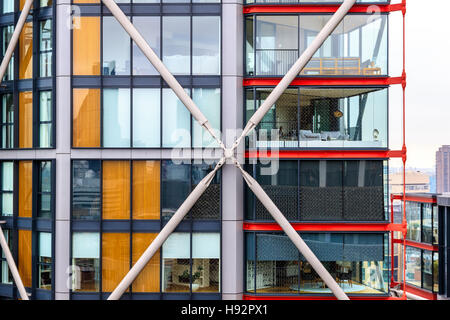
(413, 220)
(208, 101)
(7, 33)
(205, 45)
(85, 261)
(149, 28)
(86, 189)
(175, 187)
(5, 274)
(176, 44)
(45, 260)
(45, 190)
(45, 48)
(45, 119)
(7, 121)
(7, 188)
(116, 117)
(146, 118)
(176, 263)
(413, 266)
(205, 262)
(427, 230)
(175, 121)
(116, 48)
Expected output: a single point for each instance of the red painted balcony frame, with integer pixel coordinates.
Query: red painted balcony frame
(319, 8)
(338, 154)
(421, 292)
(255, 297)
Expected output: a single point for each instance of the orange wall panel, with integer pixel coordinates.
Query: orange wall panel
(24, 261)
(86, 118)
(148, 279)
(116, 190)
(26, 52)
(115, 259)
(146, 190)
(25, 120)
(25, 188)
(86, 47)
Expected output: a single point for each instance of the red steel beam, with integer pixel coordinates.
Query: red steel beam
(292, 8)
(335, 227)
(414, 198)
(323, 154)
(328, 81)
(253, 297)
(421, 292)
(421, 245)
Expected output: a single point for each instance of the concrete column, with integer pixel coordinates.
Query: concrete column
(63, 146)
(232, 119)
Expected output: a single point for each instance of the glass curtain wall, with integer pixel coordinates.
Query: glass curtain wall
(358, 46)
(317, 118)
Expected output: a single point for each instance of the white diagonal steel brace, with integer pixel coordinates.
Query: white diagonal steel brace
(254, 186)
(15, 37)
(165, 233)
(12, 265)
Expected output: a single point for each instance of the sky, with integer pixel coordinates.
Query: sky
(428, 80)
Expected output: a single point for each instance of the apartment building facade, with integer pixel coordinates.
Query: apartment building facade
(98, 153)
(443, 170)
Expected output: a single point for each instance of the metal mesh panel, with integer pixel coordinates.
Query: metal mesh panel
(363, 203)
(208, 206)
(321, 204)
(284, 197)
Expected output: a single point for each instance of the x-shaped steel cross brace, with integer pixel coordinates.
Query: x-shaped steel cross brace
(229, 153)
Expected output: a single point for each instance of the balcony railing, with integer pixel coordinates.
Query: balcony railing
(278, 61)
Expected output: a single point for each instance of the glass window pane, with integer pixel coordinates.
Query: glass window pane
(116, 48)
(176, 263)
(86, 47)
(413, 266)
(149, 28)
(45, 189)
(435, 225)
(146, 118)
(176, 44)
(175, 187)
(86, 118)
(276, 44)
(116, 189)
(436, 272)
(86, 189)
(205, 45)
(45, 115)
(176, 121)
(208, 101)
(8, 6)
(7, 176)
(205, 262)
(85, 261)
(427, 231)
(7, 116)
(116, 118)
(45, 48)
(427, 270)
(413, 220)
(5, 276)
(45, 260)
(7, 33)
(46, 3)
(146, 189)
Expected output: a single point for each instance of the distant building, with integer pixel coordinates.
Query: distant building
(443, 169)
(416, 182)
